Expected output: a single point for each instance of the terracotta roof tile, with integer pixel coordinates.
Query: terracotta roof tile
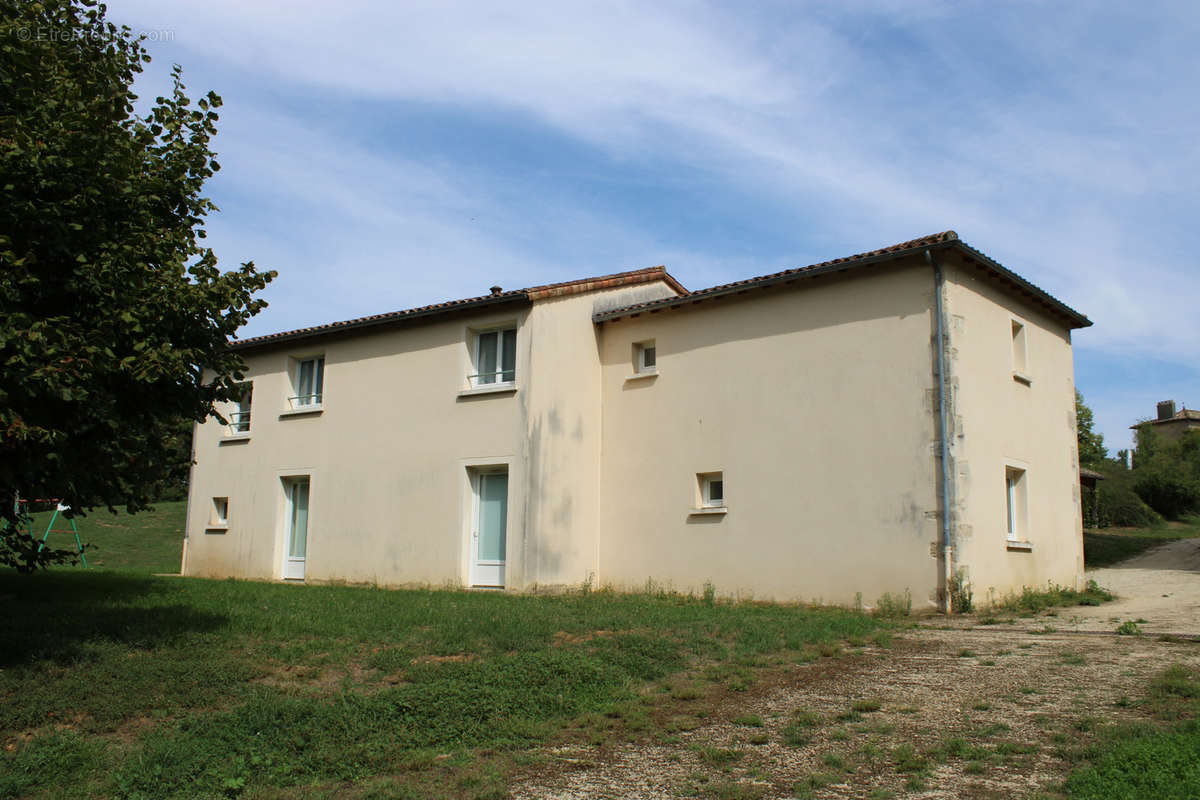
(531, 294)
(912, 246)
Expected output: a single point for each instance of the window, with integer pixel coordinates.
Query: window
(239, 420)
(220, 512)
(1016, 504)
(1020, 353)
(309, 382)
(495, 358)
(645, 358)
(712, 489)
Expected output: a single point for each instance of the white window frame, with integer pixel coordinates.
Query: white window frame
(1019, 330)
(219, 514)
(705, 483)
(494, 380)
(641, 350)
(239, 419)
(1016, 505)
(314, 400)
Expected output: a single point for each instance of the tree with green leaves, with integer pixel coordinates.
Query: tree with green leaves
(114, 317)
(1091, 444)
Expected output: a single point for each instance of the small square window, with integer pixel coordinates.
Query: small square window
(309, 382)
(645, 358)
(495, 357)
(712, 489)
(220, 511)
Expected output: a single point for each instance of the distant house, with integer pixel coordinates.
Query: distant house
(1171, 424)
(887, 422)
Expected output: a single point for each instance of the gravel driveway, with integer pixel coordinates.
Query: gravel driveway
(951, 709)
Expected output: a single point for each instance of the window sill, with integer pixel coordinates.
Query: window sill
(698, 512)
(1020, 547)
(491, 388)
(302, 411)
(1021, 377)
(216, 528)
(230, 438)
(641, 376)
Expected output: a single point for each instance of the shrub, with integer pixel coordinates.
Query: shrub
(892, 605)
(1167, 492)
(961, 597)
(1120, 506)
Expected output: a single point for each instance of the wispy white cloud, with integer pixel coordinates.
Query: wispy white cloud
(1059, 139)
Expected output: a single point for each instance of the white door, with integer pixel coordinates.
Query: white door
(297, 531)
(488, 533)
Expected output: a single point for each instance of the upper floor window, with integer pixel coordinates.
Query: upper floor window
(495, 357)
(239, 419)
(308, 382)
(645, 358)
(1020, 352)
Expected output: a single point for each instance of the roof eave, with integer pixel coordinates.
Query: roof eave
(391, 321)
(1076, 319)
(1073, 317)
(765, 283)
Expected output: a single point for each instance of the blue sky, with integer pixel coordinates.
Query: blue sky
(388, 155)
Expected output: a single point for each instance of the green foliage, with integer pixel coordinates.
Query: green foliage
(1143, 763)
(114, 318)
(1166, 473)
(1105, 549)
(961, 596)
(1091, 444)
(1034, 600)
(1168, 491)
(1129, 628)
(893, 606)
(1119, 504)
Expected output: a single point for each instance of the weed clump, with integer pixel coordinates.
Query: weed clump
(891, 606)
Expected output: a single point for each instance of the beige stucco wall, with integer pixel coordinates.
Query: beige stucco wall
(817, 401)
(999, 421)
(815, 404)
(388, 456)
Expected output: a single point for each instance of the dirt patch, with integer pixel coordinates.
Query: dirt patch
(318, 678)
(562, 637)
(961, 713)
(1159, 591)
(456, 658)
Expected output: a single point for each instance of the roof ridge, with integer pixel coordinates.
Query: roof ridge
(947, 238)
(911, 244)
(578, 285)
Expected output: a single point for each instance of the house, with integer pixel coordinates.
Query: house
(1171, 424)
(785, 437)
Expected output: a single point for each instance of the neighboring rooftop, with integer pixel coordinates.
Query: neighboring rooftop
(933, 242)
(1168, 415)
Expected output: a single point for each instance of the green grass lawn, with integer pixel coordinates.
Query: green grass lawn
(149, 541)
(1102, 548)
(124, 685)
(1148, 761)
